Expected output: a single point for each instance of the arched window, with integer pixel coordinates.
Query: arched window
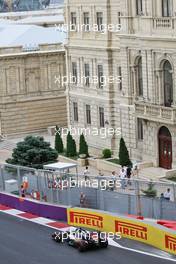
(167, 84)
(139, 79)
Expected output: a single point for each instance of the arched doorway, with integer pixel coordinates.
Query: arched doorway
(168, 84)
(165, 148)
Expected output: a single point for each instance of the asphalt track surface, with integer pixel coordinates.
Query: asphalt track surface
(24, 242)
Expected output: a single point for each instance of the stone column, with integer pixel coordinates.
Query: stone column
(159, 88)
(173, 88)
(133, 70)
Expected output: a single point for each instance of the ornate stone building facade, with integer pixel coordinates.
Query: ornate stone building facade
(143, 54)
(92, 53)
(30, 98)
(148, 49)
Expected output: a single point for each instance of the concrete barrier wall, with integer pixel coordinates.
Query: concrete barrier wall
(41, 209)
(143, 231)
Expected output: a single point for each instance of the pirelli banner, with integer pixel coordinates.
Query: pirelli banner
(151, 234)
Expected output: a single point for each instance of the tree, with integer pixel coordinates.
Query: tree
(58, 141)
(83, 147)
(71, 146)
(33, 152)
(124, 159)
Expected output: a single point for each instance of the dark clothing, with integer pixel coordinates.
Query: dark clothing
(23, 192)
(128, 172)
(82, 200)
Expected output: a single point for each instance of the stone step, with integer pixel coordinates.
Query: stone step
(152, 173)
(7, 145)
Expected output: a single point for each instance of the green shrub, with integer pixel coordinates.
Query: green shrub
(107, 153)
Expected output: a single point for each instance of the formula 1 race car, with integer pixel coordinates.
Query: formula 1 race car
(81, 239)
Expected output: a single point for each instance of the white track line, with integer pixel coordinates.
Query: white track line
(13, 212)
(42, 220)
(146, 253)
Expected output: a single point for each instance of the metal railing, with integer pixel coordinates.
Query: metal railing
(105, 193)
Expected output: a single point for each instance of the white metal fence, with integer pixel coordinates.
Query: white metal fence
(104, 193)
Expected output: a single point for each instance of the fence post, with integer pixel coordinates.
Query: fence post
(69, 192)
(58, 200)
(101, 196)
(161, 209)
(1, 180)
(129, 204)
(39, 176)
(69, 196)
(138, 198)
(152, 205)
(174, 191)
(19, 180)
(2, 177)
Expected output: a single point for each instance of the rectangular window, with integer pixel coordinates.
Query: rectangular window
(139, 7)
(73, 21)
(139, 77)
(88, 114)
(75, 111)
(86, 21)
(140, 129)
(74, 73)
(101, 116)
(119, 18)
(87, 74)
(100, 21)
(166, 8)
(100, 76)
(120, 77)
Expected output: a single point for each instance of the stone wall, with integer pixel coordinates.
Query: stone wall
(30, 97)
(33, 115)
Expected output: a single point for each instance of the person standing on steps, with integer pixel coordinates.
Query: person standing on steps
(86, 173)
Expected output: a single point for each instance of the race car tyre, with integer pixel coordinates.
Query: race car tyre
(104, 244)
(57, 237)
(82, 247)
(71, 243)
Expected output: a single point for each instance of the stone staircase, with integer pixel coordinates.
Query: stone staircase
(152, 173)
(7, 145)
